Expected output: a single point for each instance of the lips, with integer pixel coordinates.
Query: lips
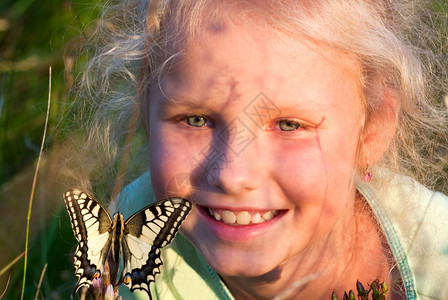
(239, 225)
(240, 218)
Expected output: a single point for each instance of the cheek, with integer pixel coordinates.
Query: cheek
(165, 165)
(172, 161)
(318, 174)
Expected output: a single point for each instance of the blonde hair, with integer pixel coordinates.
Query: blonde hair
(400, 45)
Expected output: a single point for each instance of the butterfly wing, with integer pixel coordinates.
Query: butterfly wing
(91, 224)
(145, 232)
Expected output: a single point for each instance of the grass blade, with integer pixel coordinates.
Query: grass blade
(8, 266)
(6, 287)
(40, 281)
(30, 206)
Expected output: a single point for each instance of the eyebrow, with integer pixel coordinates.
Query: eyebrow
(168, 103)
(308, 107)
(179, 101)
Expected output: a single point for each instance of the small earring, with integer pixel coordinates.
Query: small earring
(366, 174)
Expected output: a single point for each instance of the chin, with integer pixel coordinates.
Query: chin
(240, 262)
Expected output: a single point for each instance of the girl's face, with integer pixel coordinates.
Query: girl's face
(260, 130)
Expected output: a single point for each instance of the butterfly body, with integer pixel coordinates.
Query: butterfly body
(117, 235)
(136, 242)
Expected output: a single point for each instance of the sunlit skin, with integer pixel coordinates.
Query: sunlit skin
(300, 160)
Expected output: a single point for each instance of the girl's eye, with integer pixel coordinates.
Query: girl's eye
(196, 121)
(288, 125)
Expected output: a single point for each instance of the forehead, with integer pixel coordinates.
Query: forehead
(229, 52)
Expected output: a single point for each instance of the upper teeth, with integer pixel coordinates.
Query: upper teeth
(242, 217)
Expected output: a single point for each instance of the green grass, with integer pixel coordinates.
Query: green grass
(35, 35)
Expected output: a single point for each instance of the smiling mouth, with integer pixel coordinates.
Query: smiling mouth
(241, 218)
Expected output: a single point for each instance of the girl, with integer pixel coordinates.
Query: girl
(298, 129)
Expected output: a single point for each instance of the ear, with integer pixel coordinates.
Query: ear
(380, 127)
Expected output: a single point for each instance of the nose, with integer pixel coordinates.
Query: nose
(234, 165)
(234, 174)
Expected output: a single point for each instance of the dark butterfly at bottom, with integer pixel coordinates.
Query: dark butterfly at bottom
(137, 240)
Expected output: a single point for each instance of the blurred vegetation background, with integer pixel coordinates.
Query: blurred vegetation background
(35, 35)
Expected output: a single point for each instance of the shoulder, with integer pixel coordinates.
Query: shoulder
(186, 274)
(415, 223)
